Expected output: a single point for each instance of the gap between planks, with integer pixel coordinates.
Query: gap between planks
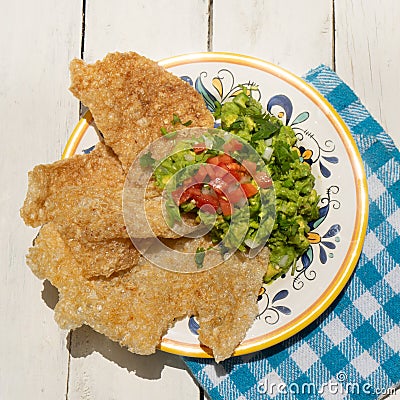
(81, 111)
(210, 31)
(333, 36)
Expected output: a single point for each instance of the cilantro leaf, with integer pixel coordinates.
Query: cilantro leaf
(283, 155)
(266, 129)
(168, 135)
(176, 120)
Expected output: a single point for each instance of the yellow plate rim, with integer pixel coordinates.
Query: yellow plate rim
(350, 261)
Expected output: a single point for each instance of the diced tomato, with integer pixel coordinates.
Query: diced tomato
(203, 199)
(176, 195)
(235, 195)
(218, 192)
(230, 179)
(249, 189)
(223, 158)
(220, 172)
(180, 196)
(215, 171)
(232, 145)
(235, 169)
(250, 166)
(199, 148)
(201, 173)
(223, 166)
(185, 196)
(226, 207)
(229, 182)
(194, 191)
(211, 169)
(238, 175)
(263, 180)
(245, 179)
(213, 160)
(233, 166)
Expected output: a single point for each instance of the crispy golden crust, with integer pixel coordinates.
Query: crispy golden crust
(88, 214)
(136, 307)
(83, 195)
(131, 98)
(99, 168)
(104, 258)
(94, 214)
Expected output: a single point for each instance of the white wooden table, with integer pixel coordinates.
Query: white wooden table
(360, 39)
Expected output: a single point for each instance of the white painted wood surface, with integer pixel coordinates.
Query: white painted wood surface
(37, 114)
(296, 35)
(359, 37)
(156, 29)
(368, 54)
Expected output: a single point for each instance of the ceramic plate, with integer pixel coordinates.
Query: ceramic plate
(293, 301)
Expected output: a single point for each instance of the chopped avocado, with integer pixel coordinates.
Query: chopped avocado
(296, 199)
(241, 99)
(228, 118)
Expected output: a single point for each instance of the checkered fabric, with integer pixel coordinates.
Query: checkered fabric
(352, 350)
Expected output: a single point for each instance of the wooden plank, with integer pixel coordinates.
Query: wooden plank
(100, 368)
(37, 114)
(156, 29)
(296, 35)
(368, 55)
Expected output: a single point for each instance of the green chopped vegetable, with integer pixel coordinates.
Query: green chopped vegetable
(168, 135)
(199, 257)
(146, 160)
(280, 216)
(187, 123)
(176, 120)
(296, 199)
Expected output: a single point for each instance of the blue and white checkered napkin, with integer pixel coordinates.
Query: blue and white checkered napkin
(352, 350)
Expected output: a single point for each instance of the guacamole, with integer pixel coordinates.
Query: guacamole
(281, 182)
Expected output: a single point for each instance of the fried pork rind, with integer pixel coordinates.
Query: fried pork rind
(94, 214)
(82, 194)
(83, 246)
(131, 98)
(136, 307)
(104, 258)
(53, 184)
(89, 214)
(99, 168)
